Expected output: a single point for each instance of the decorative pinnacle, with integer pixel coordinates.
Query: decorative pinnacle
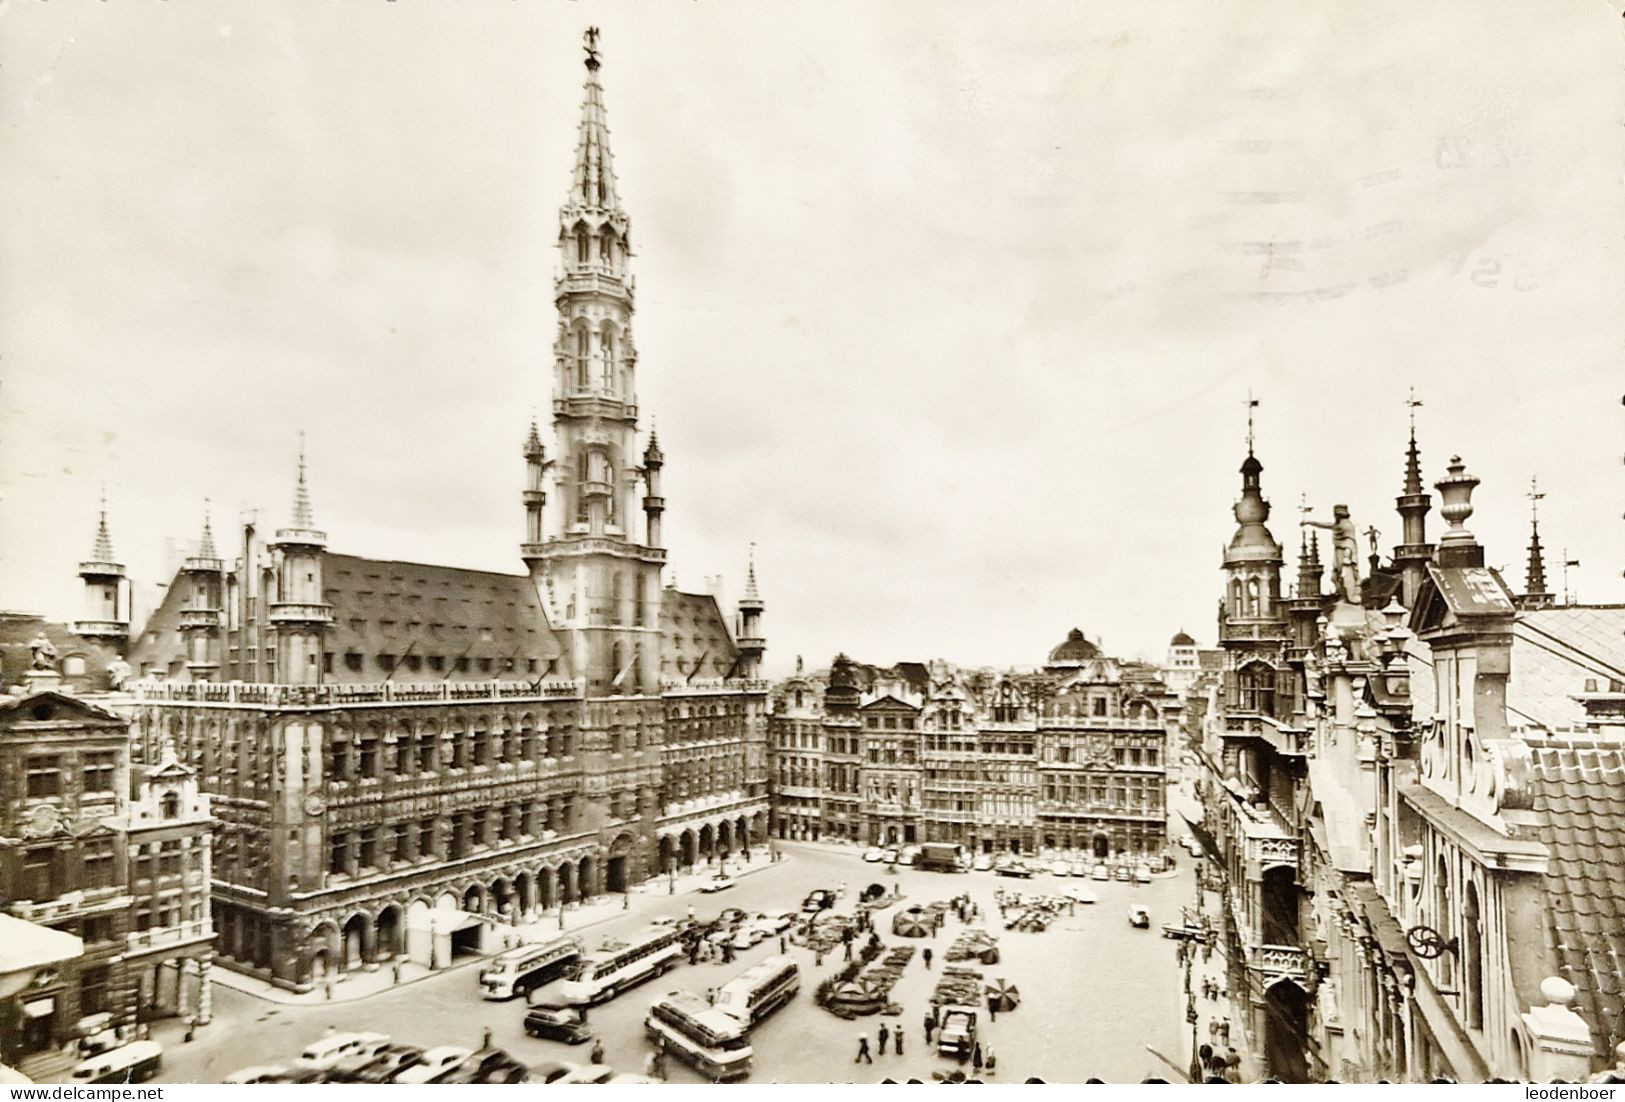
(205, 548)
(590, 44)
(302, 514)
(751, 593)
(1252, 404)
(103, 551)
(533, 442)
(1413, 459)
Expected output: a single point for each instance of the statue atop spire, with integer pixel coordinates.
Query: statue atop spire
(592, 184)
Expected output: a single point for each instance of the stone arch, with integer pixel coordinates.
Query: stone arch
(688, 847)
(586, 873)
(724, 837)
(501, 896)
(473, 899)
(357, 942)
(618, 863)
(742, 833)
(524, 888)
(322, 949)
(387, 933)
(668, 853)
(707, 840)
(547, 887)
(567, 883)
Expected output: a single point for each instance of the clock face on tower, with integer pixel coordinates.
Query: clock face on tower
(315, 805)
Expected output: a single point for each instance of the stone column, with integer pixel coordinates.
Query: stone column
(205, 995)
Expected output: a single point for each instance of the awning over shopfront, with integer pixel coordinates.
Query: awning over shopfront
(38, 1008)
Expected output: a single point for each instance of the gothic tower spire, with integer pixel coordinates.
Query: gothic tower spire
(107, 612)
(299, 612)
(1411, 556)
(1536, 595)
(201, 618)
(603, 576)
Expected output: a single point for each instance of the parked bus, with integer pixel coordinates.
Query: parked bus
(518, 972)
(759, 990)
(135, 1062)
(700, 1035)
(943, 857)
(616, 965)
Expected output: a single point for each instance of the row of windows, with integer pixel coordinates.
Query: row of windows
(50, 871)
(46, 773)
(379, 848)
(370, 757)
(355, 662)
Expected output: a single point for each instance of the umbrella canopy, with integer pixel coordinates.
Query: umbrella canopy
(1003, 995)
(912, 923)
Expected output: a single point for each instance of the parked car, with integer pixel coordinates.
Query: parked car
(717, 884)
(1078, 868)
(889, 856)
(1101, 873)
(732, 916)
(1139, 918)
(1080, 894)
(1123, 873)
(348, 1069)
(958, 1031)
(256, 1073)
(777, 922)
(819, 899)
(627, 1078)
(748, 934)
(1142, 875)
(396, 1059)
(1014, 868)
(561, 1071)
(488, 1065)
(435, 1063)
(557, 1022)
(1061, 868)
(335, 1048)
(983, 862)
(872, 854)
(908, 855)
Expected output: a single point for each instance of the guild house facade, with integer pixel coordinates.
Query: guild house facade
(404, 756)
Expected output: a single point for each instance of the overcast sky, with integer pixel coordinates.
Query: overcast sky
(952, 308)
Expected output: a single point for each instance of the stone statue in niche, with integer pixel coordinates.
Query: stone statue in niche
(43, 654)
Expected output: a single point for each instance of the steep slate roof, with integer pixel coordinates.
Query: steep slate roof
(1579, 798)
(1555, 651)
(407, 609)
(694, 630)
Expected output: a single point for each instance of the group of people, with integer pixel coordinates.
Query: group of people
(883, 1034)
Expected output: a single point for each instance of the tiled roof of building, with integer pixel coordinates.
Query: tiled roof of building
(1579, 799)
(1555, 651)
(695, 633)
(404, 610)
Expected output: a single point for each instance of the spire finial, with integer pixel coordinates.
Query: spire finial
(1534, 495)
(205, 548)
(103, 550)
(1412, 401)
(303, 517)
(1535, 592)
(590, 44)
(750, 577)
(1252, 404)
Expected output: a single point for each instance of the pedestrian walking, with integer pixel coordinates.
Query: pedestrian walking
(884, 1034)
(930, 1028)
(897, 1036)
(191, 1027)
(818, 958)
(485, 1038)
(691, 914)
(863, 1050)
(976, 1057)
(925, 955)
(597, 1056)
(992, 1010)
(651, 1064)
(782, 948)
(992, 1064)
(395, 969)
(848, 947)
(711, 995)
(329, 987)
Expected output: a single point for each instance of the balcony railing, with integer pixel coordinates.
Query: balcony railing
(1279, 961)
(140, 940)
(238, 692)
(100, 627)
(286, 612)
(69, 904)
(199, 618)
(1268, 853)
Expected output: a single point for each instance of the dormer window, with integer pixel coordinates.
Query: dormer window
(171, 805)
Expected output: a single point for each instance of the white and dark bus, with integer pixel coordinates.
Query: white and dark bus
(760, 990)
(518, 972)
(616, 965)
(700, 1035)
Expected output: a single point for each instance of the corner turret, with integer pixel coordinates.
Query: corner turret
(107, 609)
(299, 613)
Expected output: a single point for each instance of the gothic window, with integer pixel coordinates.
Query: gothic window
(1235, 598)
(1256, 684)
(1252, 597)
(582, 253)
(583, 357)
(1441, 914)
(607, 341)
(616, 597)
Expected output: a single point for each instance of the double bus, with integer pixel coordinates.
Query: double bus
(616, 965)
(700, 1035)
(520, 971)
(759, 990)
